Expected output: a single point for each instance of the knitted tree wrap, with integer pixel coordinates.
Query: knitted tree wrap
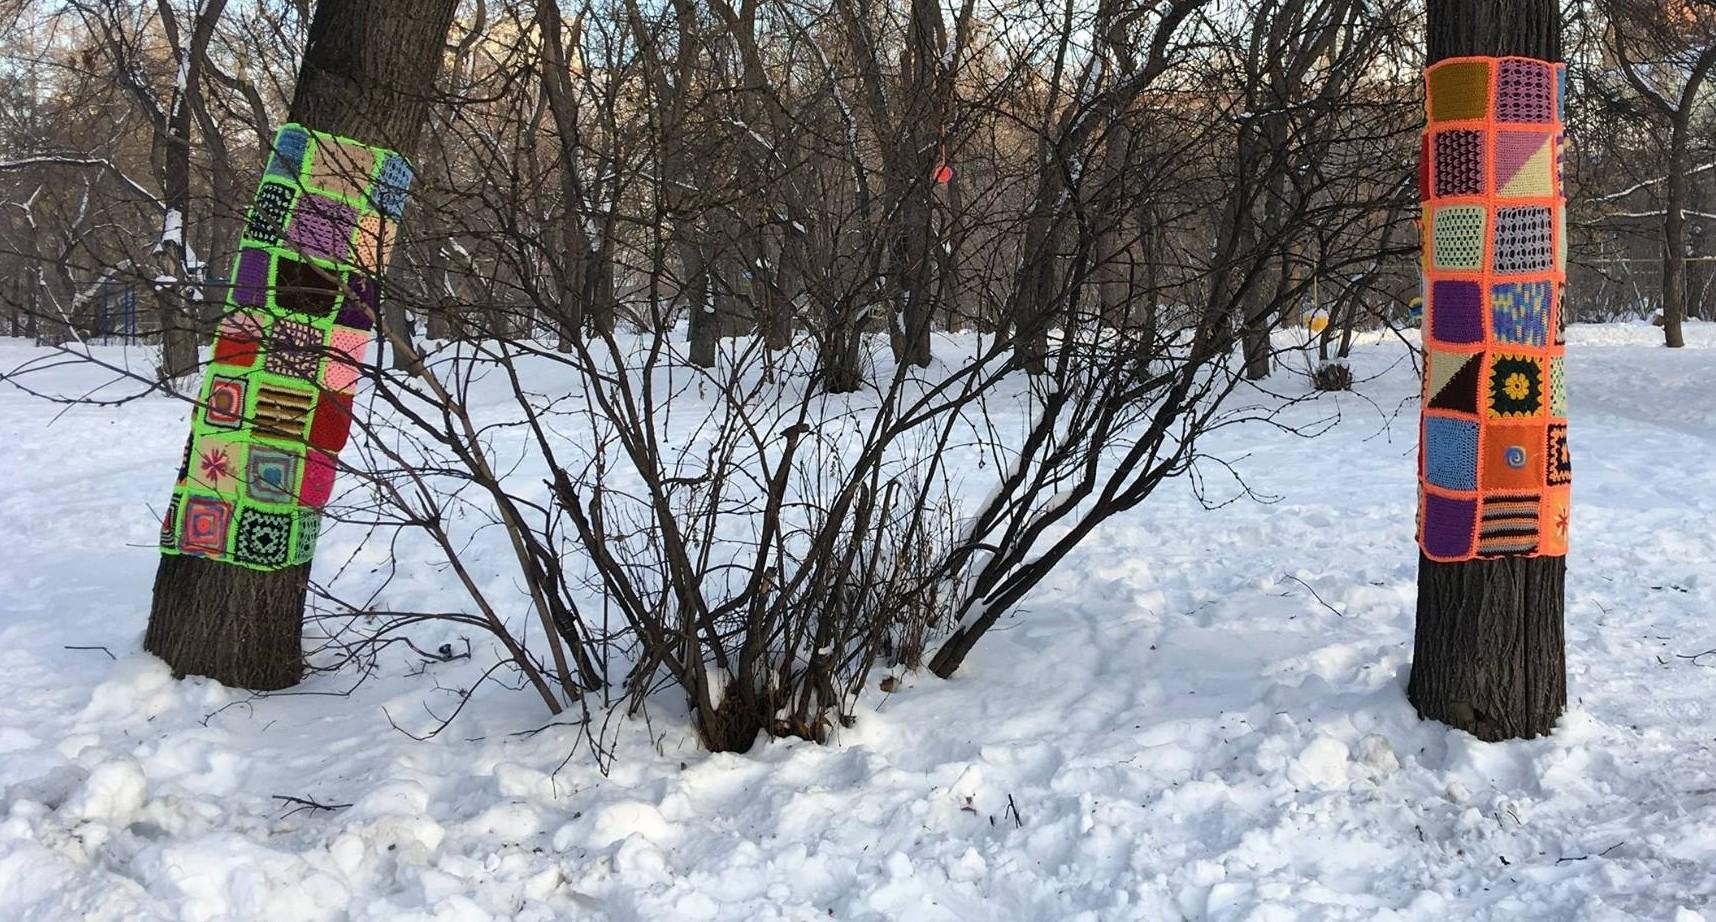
(276, 402)
(1494, 469)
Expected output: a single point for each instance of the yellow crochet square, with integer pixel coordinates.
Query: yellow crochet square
(1459, 91)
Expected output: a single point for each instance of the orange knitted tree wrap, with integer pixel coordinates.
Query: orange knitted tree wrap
(1494, 470)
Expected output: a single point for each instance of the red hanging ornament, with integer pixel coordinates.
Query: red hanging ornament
(943, 173)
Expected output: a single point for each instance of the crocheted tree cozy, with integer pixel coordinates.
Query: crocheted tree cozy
(276, 401)
(1494, 470)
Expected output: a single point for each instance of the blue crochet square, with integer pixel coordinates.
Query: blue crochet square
(391, 186)
(1519, 312)
(1451, 453)
(289, 146)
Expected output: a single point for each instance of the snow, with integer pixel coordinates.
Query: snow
(172, 228)
(1175, 727)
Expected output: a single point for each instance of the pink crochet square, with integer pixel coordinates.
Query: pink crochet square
(346, 351)
(318, 483)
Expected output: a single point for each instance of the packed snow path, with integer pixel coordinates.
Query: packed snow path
(1176, 727)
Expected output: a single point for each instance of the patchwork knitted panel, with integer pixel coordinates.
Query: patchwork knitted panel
(276, 402)
(1494, 467)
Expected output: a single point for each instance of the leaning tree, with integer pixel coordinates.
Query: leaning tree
(1494, 496)
(275, 405)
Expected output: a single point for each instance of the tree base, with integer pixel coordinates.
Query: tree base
(240, 627)
(1489, 655)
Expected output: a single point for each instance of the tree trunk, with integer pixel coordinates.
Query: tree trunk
(177, 309)
(1034, 288)
(1489, 656)
(367, 71)
(1259, 137)
(697, 294)
(1674, 236)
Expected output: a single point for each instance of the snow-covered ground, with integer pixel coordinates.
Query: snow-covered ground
(1202, 716)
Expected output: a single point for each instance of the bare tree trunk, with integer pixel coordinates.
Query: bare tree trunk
(587, 280)
(1489, 656)
(179, 328)
(1674, 234)
(366, 74)
(696, 294)
(1028, 310)
(1259, 136)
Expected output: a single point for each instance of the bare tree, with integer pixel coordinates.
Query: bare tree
(1667, 55)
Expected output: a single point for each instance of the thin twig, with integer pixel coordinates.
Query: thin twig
(102, 649)
(1338, 612)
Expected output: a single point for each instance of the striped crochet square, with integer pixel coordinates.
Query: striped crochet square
(170, 523)
(1508, 524)
(282, 411)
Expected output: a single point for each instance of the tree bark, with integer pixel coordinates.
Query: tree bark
(1674, 236)
(697, 295)
(178, 308)
(367, 68)
(1489, 656)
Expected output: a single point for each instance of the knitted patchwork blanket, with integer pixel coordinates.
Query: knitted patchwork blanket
(1494, 470)
(276, 401)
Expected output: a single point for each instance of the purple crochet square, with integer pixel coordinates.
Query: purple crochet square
(322, 227)
(364, 292)
(1449, 525)
(1457, 312)
(250, 280)
(1524, 92)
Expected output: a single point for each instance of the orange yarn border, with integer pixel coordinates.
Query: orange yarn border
(1554, 502)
